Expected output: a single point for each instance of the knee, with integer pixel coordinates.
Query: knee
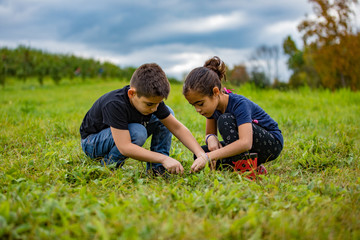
(138, 134)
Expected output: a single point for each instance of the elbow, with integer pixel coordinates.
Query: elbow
(124, 151)
(245, 145)
(248, 145)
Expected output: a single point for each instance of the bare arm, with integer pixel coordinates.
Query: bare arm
(242, 145)
(127, 148)
(212, 144)
(212, 141)
(211, 127)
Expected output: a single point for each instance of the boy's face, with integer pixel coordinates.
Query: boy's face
(145, 105)
(204, 105)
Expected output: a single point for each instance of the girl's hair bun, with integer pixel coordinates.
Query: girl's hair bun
(217, 66)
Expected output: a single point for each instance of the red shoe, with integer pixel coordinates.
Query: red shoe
(248, 166)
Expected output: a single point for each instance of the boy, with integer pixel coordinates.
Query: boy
(119, 122)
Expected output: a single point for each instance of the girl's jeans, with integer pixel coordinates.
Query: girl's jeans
(101, 145)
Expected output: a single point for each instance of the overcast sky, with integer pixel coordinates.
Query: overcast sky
(177, 34)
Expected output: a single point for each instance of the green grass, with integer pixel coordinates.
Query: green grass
(50, 189)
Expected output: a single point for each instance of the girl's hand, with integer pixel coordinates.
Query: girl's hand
(199, 164)
(213, 143)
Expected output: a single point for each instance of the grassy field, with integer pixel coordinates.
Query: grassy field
(51, 190)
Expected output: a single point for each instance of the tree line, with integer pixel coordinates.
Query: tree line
(24, 62)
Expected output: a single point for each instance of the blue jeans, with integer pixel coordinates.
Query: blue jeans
(102, 145)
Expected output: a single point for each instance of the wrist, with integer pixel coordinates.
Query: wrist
(206, 157)
(199, 154)
(164, 159)
(208, 136)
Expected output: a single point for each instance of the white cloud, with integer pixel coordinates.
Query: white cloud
(282, 27)
(207, 24)
(357, 19)
(276, 32)
(195, 26)
(13, 14)
(179, 59)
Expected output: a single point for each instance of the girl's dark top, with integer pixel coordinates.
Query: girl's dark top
(114, 109)
(245, 111)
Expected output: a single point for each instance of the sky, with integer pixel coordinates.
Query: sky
(179, 35)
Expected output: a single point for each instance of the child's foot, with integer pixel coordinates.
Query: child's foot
(261, 170)
(160, 171)
(247, 166)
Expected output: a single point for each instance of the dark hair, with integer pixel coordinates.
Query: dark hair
(204, 79)
(150, 80)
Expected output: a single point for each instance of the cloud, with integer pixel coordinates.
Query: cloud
(192, 26)
(206, 24)
(177, 34)
(282, 27)
(179, 59)
(10, 15)
(278, 31)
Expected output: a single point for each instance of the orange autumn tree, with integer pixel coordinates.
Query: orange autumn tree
(332, 45)
(238, 75)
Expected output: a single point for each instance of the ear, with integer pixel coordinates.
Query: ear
(216, 91)
(131, 92)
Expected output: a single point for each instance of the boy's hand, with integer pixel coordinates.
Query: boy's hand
(198, 164)
(173, 166)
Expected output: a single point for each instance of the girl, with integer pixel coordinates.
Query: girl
(243, 125)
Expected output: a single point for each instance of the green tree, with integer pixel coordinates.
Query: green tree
(24, 63)
(259, 78)
(4, 64)
(41, 66)
(56, 69)
(303, 70)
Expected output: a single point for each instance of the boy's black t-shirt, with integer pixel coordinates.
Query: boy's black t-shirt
(114, 109)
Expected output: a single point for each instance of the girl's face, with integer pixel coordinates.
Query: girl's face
(204, 105)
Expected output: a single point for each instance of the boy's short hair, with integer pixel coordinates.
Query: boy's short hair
(150, 80)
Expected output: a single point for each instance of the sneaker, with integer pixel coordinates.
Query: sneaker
(159, 171)
(247, 167)
(261, 170)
